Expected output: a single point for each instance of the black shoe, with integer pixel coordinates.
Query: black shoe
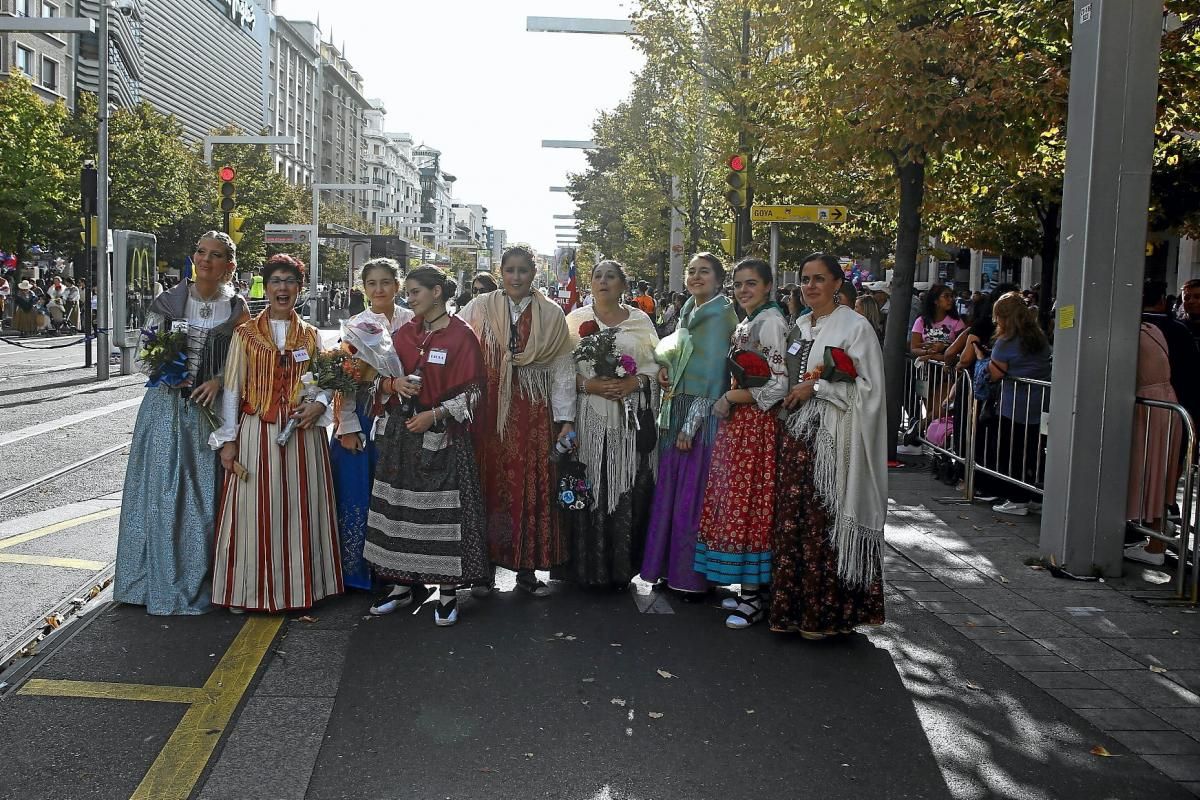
(528, 582)
(397, 597)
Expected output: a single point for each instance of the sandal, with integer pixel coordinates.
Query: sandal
(751, 608)
(445, 614)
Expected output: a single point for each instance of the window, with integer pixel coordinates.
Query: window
(50, 74)
(21, 8)
(49, 10)
(24, 60)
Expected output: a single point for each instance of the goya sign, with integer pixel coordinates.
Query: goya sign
(825, 215)
(243, 13)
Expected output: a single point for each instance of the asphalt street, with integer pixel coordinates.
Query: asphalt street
(589, 695)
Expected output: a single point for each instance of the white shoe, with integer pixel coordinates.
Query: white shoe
(239, 611)
(1011, 508)
(397, 598)
(1137, 552)
(909, 450)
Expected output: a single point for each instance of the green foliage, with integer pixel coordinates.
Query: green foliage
(38, 167)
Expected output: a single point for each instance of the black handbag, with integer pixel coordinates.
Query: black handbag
(647, 432)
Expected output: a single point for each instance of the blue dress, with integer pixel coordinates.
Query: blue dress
(173, 479)
(353, 475)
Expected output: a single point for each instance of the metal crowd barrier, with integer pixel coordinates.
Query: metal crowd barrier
(1163, 453)
(1010, 438)
(1008, 443)
(939, 408)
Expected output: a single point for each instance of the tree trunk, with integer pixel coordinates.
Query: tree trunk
(908, 231)
(1050, 229)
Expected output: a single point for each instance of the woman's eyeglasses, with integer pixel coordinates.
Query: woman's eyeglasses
(479, 289)
(283, 282)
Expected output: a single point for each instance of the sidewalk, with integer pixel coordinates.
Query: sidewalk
(1131, 669)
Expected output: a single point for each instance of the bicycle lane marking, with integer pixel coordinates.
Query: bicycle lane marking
(182, 760)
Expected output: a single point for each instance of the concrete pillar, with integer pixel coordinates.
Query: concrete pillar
(1027, 273)
(976, 270)
(1110, 143)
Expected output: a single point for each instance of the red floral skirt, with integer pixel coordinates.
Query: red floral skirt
(736, 523)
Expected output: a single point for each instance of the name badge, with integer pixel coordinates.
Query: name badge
(179, 325)
(794, 349)
(300, 355)
(437, 356)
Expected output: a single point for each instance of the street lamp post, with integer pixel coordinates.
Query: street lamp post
(209, 141)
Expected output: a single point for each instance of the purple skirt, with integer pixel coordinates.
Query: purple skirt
(675, 517)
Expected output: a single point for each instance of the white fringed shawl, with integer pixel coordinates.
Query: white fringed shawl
(845, 425)
(602, 424)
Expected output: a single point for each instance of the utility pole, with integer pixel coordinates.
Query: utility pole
(743, 214)
(103, 290)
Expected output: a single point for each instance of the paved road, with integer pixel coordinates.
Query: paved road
(565, 698)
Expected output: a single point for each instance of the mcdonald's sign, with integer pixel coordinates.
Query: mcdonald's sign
(135, 269)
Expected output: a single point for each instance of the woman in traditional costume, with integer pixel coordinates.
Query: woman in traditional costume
(827, 576)
(352, 452)
(169, 504)
(605, 542)
(276, 542)
(737, 520)
(692, 375)
(530, 390)
(426, 524)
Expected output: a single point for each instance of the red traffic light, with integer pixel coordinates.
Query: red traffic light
(737, 163)
(227, 173)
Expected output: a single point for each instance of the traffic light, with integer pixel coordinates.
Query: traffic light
(738, 180)
(729, 238)
(236, 221)
(227, 175)
(87, 189)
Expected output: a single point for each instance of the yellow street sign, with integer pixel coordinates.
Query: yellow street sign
(826, 215)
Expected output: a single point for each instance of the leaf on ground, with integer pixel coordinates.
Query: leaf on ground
(1102, 751)
(308, 619)
(1157, 668)
(529, 755)
(655, 715)
(973, 686)
(1038, 567)
(569, 638)
(616, 701)
(664, 674)
(1174, 633)
(559, 635)
(615, 644)
(976, 527)
(589, 680)
(963, 516)
(585, 702)
(1003, 579)
(749, 710)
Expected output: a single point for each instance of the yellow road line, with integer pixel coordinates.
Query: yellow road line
(53, 561)
(101, 690)
(179, 765)
(21, 538)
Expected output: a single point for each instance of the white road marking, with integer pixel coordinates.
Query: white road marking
(63, 422)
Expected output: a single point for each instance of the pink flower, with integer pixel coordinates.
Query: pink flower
(628, 362)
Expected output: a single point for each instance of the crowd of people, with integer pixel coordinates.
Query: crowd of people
(741, 449)
(43, 307)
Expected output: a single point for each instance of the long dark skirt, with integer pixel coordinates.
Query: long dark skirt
(426, 523)
(606, 549)
(807, 594)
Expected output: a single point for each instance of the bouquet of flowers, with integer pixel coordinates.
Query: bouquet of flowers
(599, 349)
(333, 371)
(750, 370)
(837, 366)
(371, 343)
(164, 352)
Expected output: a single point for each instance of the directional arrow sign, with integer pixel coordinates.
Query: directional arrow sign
(826, 215)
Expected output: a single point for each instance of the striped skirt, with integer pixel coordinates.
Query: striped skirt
(426, 523)
(277, 543)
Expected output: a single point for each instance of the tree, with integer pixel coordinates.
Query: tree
(908, 83)
(39, 168)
